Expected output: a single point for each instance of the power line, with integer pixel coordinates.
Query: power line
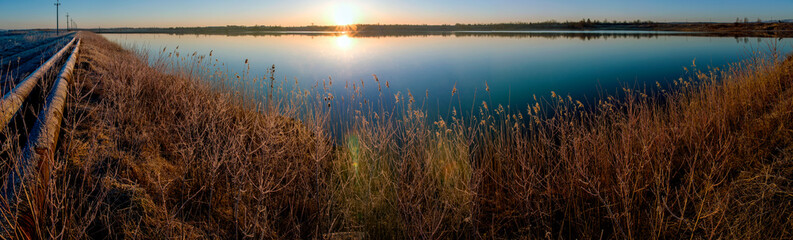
(57, 21)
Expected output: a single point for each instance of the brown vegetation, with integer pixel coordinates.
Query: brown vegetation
(145, 154)
(748, 29)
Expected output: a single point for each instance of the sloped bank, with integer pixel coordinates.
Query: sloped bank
(150, 155)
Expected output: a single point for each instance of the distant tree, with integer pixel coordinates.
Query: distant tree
(759, 20)
(737, 20)
(745, 20)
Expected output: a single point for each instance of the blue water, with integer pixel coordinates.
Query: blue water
(516, 66)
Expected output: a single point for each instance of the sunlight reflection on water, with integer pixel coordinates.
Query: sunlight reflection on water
(344, 42)
(515, 66)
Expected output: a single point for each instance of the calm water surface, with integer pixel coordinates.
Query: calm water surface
(515, 66)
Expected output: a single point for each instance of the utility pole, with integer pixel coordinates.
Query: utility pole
(57, 22)
(67, 21)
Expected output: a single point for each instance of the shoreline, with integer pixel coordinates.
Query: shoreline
(782, 29)
(162, 155)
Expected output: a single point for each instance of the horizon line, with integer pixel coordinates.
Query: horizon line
(425, 24)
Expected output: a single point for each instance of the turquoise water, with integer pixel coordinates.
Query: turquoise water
(515, 66)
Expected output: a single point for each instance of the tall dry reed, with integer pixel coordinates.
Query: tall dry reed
(186, 148)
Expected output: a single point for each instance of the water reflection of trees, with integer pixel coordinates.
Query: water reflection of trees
(548, 35)
(566, 35)
(413, 32)
(584, 29)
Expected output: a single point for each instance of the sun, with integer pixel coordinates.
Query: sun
(344, 14)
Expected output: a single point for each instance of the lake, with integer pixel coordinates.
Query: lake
(515, 66)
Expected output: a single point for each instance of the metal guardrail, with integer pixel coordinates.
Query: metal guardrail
(38, 153)
(12, 101)
(26, 54)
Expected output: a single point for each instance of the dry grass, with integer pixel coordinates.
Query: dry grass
(147, 154)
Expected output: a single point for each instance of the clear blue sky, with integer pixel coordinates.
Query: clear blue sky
(15, 14)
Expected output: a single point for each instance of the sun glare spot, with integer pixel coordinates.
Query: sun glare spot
(344, 41)
(344, 14)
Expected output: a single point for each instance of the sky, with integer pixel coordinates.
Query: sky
(23, 14)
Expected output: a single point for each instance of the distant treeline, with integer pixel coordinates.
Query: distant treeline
(738, 28)
(519, 26)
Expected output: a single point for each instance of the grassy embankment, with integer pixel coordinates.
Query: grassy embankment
(156, 152)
